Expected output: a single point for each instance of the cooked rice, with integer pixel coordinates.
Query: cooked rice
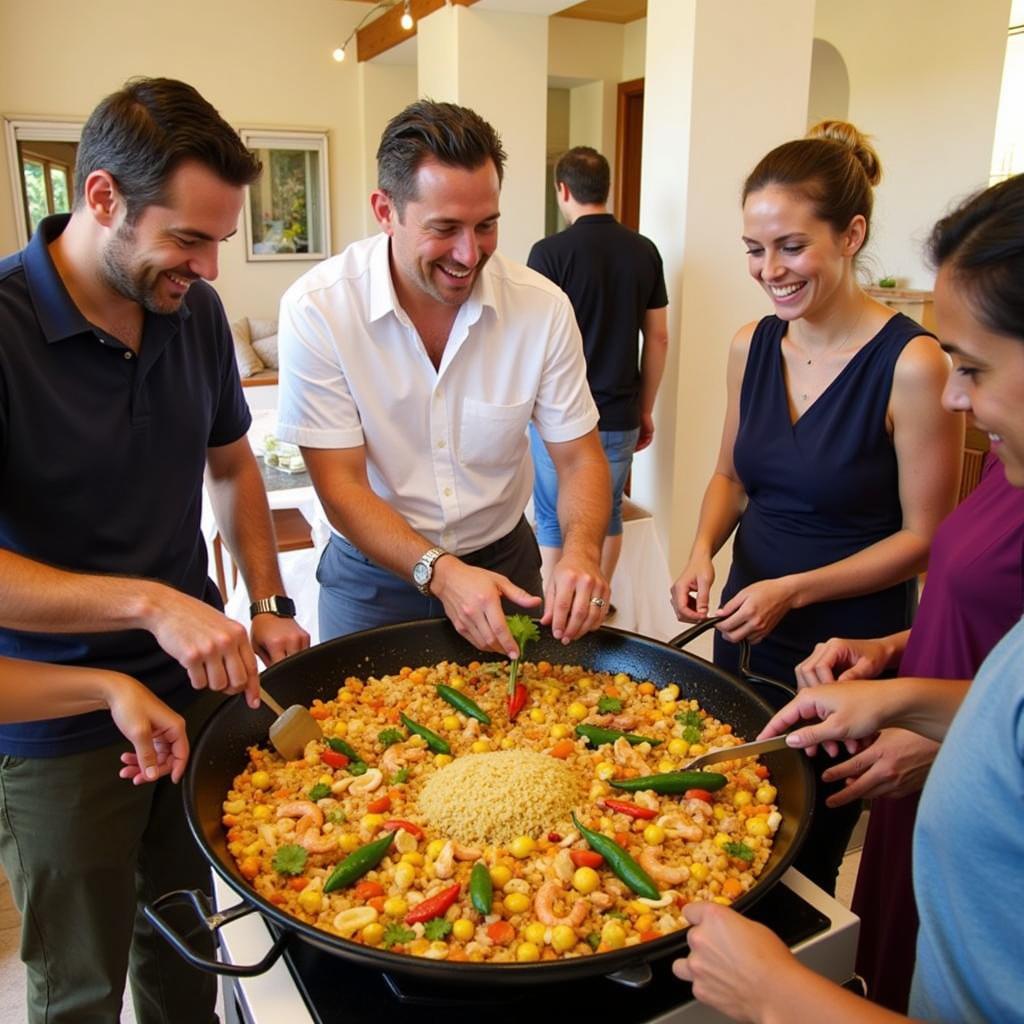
(492, 798)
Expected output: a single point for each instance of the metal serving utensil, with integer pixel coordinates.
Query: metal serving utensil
(738, 751)
(292, 729)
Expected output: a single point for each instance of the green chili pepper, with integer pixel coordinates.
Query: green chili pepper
(595, 736)
(358, 862)
(462, 703)
(624, 867)
(341, 747)
(481, 888)
(673, 782)
(436, 744)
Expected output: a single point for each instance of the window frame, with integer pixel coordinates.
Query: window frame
(315, 142)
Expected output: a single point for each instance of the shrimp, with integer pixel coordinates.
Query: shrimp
(677, 825)
(313, 841)
(626, 756)
(661, 873)
(395, 758)
(544, 903)
(444, 865)
(309, 815)
(460, 852)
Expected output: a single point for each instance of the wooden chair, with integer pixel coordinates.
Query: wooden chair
(975, 448)
(292, 531)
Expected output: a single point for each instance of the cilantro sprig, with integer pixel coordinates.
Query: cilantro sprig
(609, 706)
(437, 928)
(739, 850)
(290, 859)
(396, 934)
(388, 737)
(523, 629)
(319, 791)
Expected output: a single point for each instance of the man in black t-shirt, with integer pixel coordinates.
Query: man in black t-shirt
(614, 279)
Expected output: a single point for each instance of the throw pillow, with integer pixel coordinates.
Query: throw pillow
(261, 328)
(246, 356)
(266, 349)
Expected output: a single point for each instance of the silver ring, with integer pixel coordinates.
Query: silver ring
(598, 602)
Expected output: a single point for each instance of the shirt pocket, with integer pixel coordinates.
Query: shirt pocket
(493, 435)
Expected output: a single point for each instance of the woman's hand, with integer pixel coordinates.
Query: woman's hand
(733, 962)
(895, 765)
(840, 659)
(756, 610)
(155, 731)
(690, 592)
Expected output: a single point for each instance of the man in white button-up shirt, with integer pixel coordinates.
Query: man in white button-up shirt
(411, 366)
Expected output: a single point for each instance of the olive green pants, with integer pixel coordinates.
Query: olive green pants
(81, 848)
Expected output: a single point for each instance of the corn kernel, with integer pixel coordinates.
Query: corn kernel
(434, 848)
(507, 743)
(613, 935)
(665, 765)
(235, 848)
(413, 857)
(758, 825)
(442, 759)
(585, 880)
(500, 874)
(696, 749)
(535, 932)
(450, 722)
(598, 790)
(340, 728)
(346, 697)
(699, 872)
(722, 900)
(480, 746)
(537, 715)
(668, 693)
(654, 835)
(621, 679)
(644, 923)
(234, 806)
(373, 934)
(517, 902)
(563, 938)
(718, 811)
(550, 697)
(405, 874)
(678, 747)
(605, 770)
(766, 794)
(253, 848)
(742, 797)
(584, 681)
(261, 780)
(527, 952)
(521, 847)
(348, 842)
(310, 900)
(371, 821)
(577, 711)
(325, 779)
(395, 906)
(261, 812)
(721, 838)
(645, 689)
(560, 731)
(456, 682)
(419, 946)
(606, 823)
(463, 929)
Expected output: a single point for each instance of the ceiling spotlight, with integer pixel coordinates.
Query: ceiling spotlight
(339, 54)
(406, 20)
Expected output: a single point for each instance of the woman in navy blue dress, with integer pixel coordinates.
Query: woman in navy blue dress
(837, 460)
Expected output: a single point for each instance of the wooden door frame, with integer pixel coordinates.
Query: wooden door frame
(627, 90)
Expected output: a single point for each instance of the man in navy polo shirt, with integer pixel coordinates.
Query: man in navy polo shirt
(118, 387)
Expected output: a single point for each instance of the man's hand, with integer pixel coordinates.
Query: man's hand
(472, 601)
(733, 962)
(275, 637)
(646, 432)
(895, 765)
(691, 590)
(756, 610)
(155, 731)
(569, 601)
(212, 648)
(838, 660)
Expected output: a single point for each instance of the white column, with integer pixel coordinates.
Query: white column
(480, 59)
(725, 82)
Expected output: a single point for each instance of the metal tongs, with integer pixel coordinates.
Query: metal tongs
(741, 750)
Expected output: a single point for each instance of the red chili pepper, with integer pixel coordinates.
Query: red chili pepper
(516, 702)
(382, 803)
(334, 759)
(586, 858)
(434, 906)
(396, 823)
(699, 794)
(631, 810)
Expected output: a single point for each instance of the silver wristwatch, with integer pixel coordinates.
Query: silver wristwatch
(423, 570)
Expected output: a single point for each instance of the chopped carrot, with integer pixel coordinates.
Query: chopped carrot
(250, 867)
(761, 771)
(377, 903)
(320, 712)
(586, 858)
(612, 691)
(544, 668)
(382, 803)
(645, 689)
(563, 748)
(762, 809)
(648, 936)
(282, 792)
(405, 671)
(366, 889)
(234, 833)
(229, 820)
(474, 666)
(732, 889)
(501, 932)
(277, 898)
(725, 729)
(297, 884)
(622, 838)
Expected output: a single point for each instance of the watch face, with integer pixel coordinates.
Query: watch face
(285, 606)
(420, 573)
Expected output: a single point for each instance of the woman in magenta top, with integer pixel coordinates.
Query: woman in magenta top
(973, 596)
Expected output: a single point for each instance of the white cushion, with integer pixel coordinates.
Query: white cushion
(246, 356)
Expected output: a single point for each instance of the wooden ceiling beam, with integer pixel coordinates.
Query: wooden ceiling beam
(386, 31)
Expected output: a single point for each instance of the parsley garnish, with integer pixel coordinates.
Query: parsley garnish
(609, 705)
(335, 816)
(437, 928)
(523, 629)
(395, 933)
(318, 792)
(402, 775)
(691, 734)
(290, 859)
(387, 737)
(593, 940)
(689, 718)
(739, 850)
(358, 768)
(618, 915)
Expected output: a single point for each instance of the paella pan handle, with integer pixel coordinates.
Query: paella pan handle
(745, 672)
(210, 922)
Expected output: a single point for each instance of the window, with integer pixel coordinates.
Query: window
(1008, 151)
(286, 212)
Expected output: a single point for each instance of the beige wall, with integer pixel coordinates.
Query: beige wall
(924, 81)
(262, 63)
(634, 44)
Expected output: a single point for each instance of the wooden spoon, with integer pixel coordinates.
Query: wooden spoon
(292, 729)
